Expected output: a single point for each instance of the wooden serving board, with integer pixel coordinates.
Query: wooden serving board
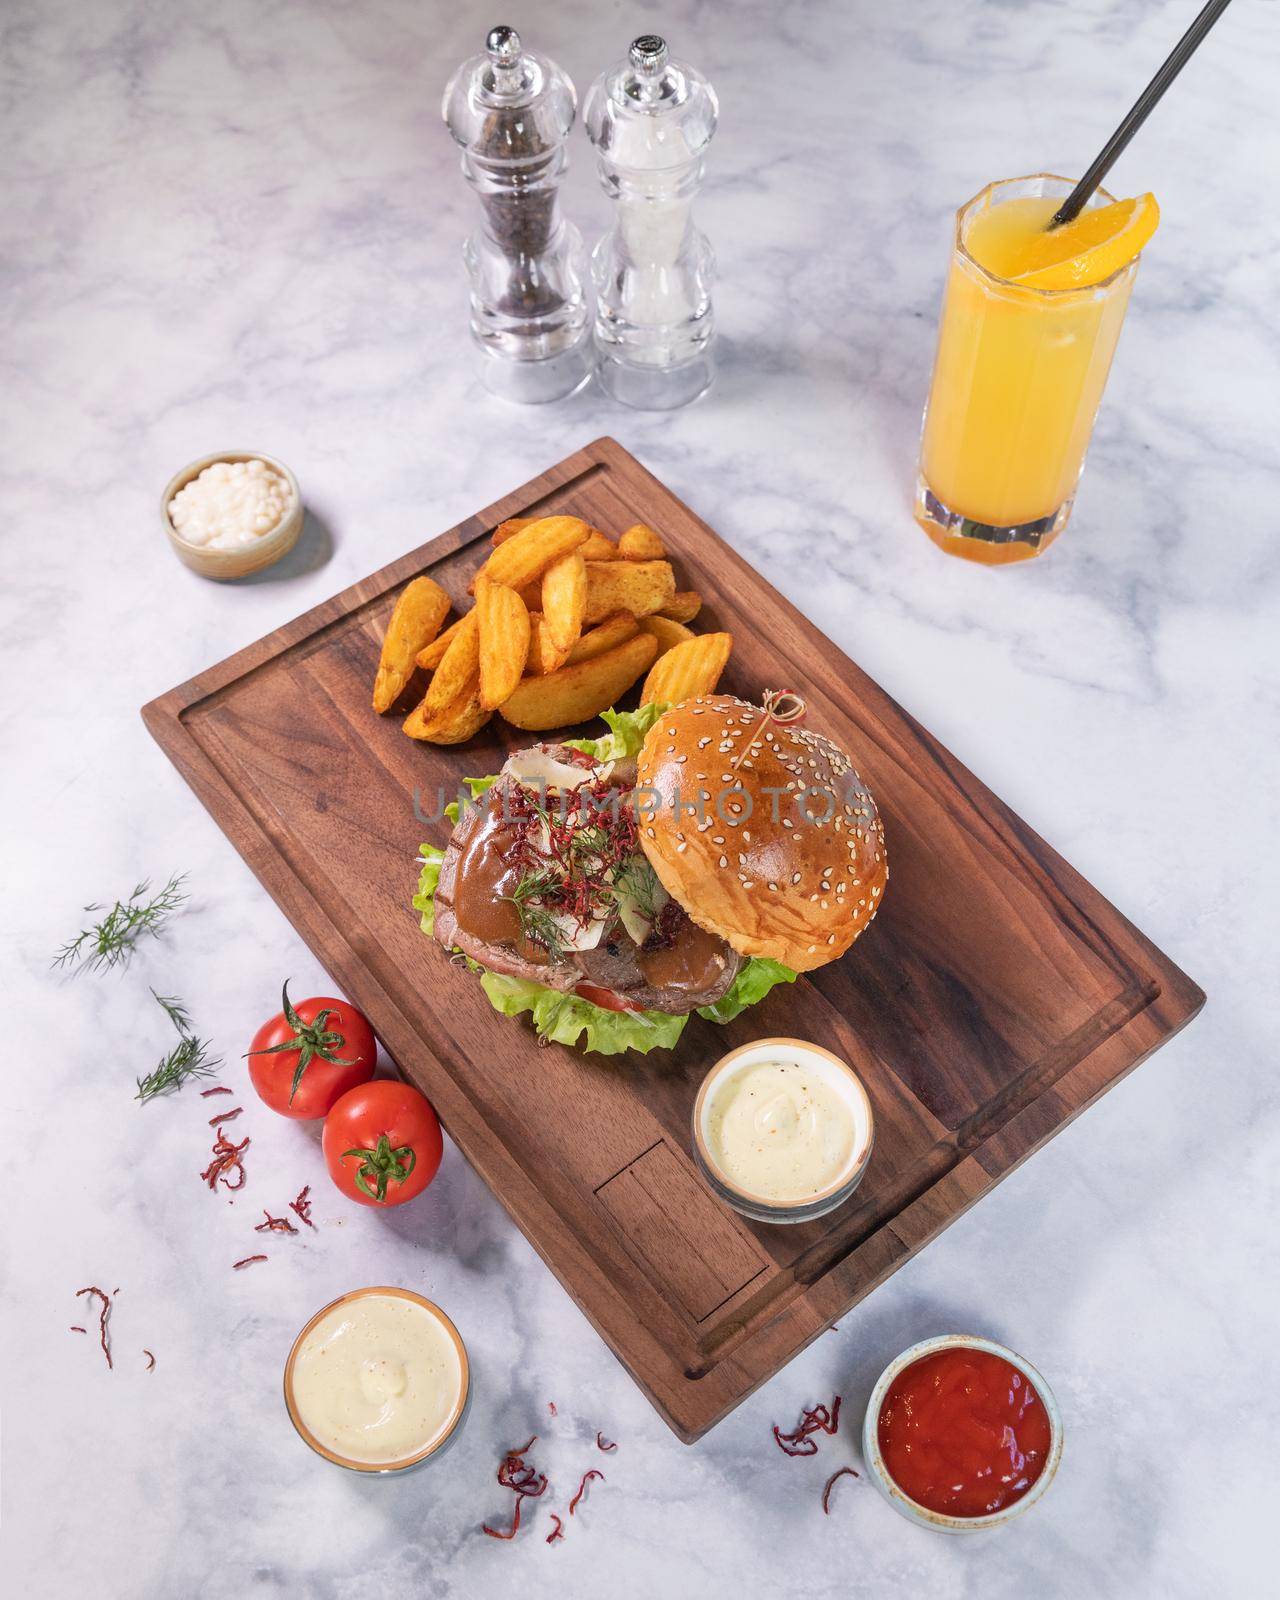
(995, 997)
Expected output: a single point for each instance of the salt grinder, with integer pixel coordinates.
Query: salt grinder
(651, 119)
(511, 111)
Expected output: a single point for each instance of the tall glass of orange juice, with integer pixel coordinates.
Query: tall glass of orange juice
(1019, 372)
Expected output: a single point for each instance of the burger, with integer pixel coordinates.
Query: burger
(688, 861)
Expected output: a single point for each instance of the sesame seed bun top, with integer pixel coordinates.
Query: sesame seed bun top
(761, 830)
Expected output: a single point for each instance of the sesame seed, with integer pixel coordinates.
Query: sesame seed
(724, 861)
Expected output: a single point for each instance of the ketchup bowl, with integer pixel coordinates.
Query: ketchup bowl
(964, 1421)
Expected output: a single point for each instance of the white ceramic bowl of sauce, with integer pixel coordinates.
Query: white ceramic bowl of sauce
(898, 1498)
(212, 561)
(782, 1130)
(378, 1381)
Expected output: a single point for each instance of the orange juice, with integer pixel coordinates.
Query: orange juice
(1019, 373)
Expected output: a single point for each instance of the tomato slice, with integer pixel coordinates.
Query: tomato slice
(606, 999)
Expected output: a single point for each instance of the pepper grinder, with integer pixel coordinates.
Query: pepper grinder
(651, 120)
(510, 111)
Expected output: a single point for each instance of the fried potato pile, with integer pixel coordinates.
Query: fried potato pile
(565, 621)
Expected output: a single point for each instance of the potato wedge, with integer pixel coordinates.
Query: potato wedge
(598, 547)
(641, 543)
(668, 633)
(419, 615)
(564, 599)
(503, 622)
(430, 658)
(457, 678)
(689, 669)
(683, 606)
(614, 630)
(527, 554)
(453, 727)
(574, 694)
(640, 587)
(543, 655)
(512, 525)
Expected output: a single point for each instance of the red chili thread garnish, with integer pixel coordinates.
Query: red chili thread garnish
(303, 1207)
(247, 1262)
(551, 1407)
(151, 1361)
(801, 1442)
(221, 1089)
(605, 1444)
(582, 1487)
(524, 1481)
(558, 1531)
(275, 1225)
(563, 847)
(103, 1314)
(227, 1158)
(225, 1116)
(831, 1483)
(496, 1533)
(75, 1328)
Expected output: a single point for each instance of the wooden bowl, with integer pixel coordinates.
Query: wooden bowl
(263, 552)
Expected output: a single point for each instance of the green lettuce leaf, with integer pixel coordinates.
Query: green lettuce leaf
(568, 1019)
(429, 858)
(627, 730)
(478, 786)
(753, 982)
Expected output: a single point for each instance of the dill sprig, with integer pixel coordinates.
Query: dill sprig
(176, 1012)
(638, 879)
(111, 941)
(188, 1059)
(536, 921)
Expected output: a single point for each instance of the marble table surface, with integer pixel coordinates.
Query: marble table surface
(231, 224)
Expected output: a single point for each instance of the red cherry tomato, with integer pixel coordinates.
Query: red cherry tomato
(382, 1143)
(604, 998)
(309, 1055)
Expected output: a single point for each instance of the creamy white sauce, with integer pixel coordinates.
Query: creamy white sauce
(231, 504)
(782, 1129)
(377, 1380)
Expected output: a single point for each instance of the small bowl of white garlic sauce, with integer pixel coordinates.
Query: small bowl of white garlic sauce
(378, 1381)
(232, 513)
(782, 1130)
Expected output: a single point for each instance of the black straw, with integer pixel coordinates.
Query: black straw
(1142, 106)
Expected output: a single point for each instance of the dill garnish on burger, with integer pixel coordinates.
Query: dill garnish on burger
(688, 861)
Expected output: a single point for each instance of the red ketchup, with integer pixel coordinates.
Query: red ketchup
(963, 1432)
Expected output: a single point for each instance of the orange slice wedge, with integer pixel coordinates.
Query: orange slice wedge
(1091, 248)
